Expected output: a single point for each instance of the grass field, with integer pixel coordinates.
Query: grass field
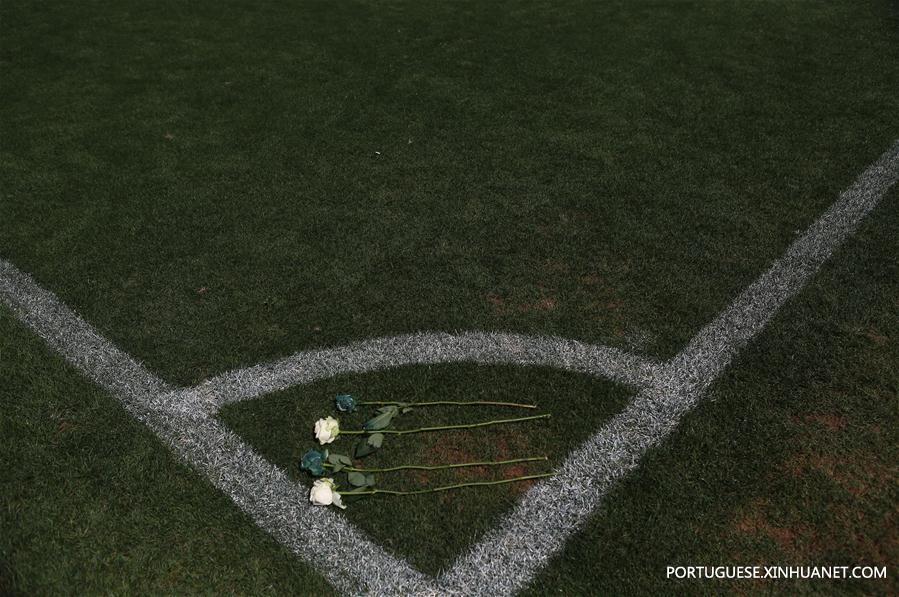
(216, 185)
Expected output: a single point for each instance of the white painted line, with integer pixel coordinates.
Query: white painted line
(79, 343)
(508, 557)
(321, 537)
(183, 421)
(712, 349)
(428, 349)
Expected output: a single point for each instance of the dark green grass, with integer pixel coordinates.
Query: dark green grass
(790, 460)
(91, 503)
(202, 181)
(431, 530)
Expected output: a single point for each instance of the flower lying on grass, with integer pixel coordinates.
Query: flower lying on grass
(324, 493)
(345, 403)
(327, 430)
(315, 463)
(324, 490)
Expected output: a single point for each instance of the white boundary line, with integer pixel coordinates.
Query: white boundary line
(185, 423)
(508, 557)
(429, 348)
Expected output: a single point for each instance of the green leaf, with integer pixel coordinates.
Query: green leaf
(370, 480)
(362, 449)
(338, 467)
(382, 421)
(356, 479)
(407, 409)
(375, 440)
(334, 459)
(345, 460)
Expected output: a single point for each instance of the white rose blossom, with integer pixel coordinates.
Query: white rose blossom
(323, 493)
(327, 430)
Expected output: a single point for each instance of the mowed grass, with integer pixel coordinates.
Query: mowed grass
(431, 530)
(91, 503)
(214, 185)
(790, 460)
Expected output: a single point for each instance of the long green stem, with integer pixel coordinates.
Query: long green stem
(445, 488)
(424, 467)
(449, 403)
(444, 427)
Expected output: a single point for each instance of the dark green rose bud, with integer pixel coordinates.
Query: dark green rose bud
(345, 403)
(313, 461)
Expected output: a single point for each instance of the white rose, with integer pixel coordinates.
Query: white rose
(327, 430)
(323, 494)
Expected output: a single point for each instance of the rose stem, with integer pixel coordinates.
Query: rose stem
(422, 467)
(422, 429)
(450, 403)
(447, 487)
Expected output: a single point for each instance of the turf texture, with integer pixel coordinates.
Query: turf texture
(216, 184)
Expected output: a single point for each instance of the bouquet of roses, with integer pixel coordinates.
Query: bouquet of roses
(325, 465)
